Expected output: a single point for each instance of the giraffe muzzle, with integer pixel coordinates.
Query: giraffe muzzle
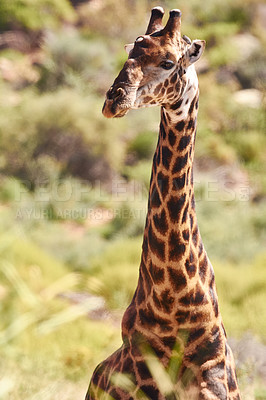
(117, 103)
(112, 110)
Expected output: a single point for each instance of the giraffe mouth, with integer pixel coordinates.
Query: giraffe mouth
(121, 113)
(119, 106)
(119, 101)
(112, 110)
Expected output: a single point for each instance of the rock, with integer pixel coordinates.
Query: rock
(97, 309)
(226, 75)
(249, 351)
(20, 41)
(20, 72)
(248, 97)
(260, 16)
(246, 44)
(202, 65)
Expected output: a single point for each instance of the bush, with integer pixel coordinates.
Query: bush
(142, 146)
(215, 11)
(222, 54)
(49, 136)
(34, 15)
(251, 72)
(243, 306)
(74, 61)
(141, 172)
(100, 20)
(129, 220)
(10, 189)
(226, 225)
(250, 146)
(121, 264)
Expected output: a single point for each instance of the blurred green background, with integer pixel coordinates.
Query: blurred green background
(74, 186)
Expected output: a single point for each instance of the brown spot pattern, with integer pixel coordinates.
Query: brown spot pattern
(176, 288)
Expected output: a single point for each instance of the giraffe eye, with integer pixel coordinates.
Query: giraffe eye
(167, 64)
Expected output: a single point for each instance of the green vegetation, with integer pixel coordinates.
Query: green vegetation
(74, 185)
(35, 15)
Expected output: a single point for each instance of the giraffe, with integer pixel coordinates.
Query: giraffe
(175, 304)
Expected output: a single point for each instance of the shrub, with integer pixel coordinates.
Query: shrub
(222, 54)
(34, 15)
(142, 146)
(141, 172)
(251, 72)
(128, 221)
(122, 264)
(214, 11)
(52, 135)
(100, 20)
(243, 308)
(74, 61)
(10, 189)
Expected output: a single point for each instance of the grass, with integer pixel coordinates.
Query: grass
(226, 225)
(51, 365)
(44, 340)
(243, 302)
(121, 264)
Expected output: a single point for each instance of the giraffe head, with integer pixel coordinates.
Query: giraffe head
(155, 71)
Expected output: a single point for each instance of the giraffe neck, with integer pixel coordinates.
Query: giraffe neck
(171, 205)
(175, 277)
(171, 238)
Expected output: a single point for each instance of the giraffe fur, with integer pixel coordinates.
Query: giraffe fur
(174, 315)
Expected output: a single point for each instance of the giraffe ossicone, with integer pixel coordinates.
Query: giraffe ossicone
(174, 317)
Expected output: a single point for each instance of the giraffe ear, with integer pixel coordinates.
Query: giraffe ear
(195, 51)
(129, 47)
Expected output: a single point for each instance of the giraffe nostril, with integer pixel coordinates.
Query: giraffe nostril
(114, 94)
(109, 94)
(118, 93)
